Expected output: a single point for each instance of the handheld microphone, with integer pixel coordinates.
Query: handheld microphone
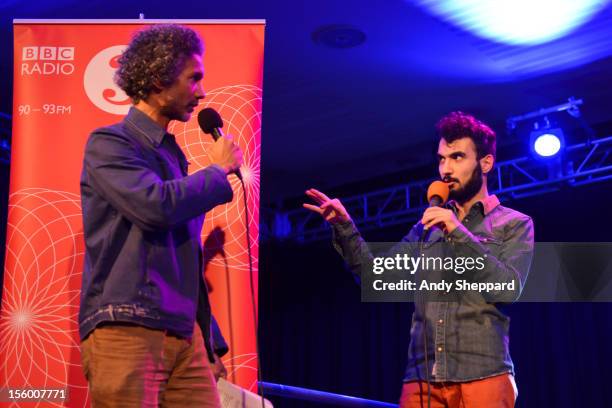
(211, 123)
(437, 195)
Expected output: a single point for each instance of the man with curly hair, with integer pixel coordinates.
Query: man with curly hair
(145, 318)
(458, 355)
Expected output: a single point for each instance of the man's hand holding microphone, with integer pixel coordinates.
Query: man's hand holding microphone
(226, 154)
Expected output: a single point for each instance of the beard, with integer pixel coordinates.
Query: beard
(470, 189)
(175, 112)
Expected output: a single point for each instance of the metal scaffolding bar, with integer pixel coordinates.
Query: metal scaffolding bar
(580, 164)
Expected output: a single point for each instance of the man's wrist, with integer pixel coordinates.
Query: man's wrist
(450, 227)
(344, 228)
(224, 169)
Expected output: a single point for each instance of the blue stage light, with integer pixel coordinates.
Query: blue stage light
(517, 22)
(547, 143)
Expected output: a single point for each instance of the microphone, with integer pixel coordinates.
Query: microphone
(437, 195)
(211, 123)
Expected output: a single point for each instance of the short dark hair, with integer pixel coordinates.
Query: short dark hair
(457, 125)
(156, 55)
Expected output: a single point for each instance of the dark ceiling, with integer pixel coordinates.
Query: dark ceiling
(334, 116)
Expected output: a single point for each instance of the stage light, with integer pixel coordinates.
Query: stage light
(517, 22)
(547, 143)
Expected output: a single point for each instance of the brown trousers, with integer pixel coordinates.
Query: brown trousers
(493, 392)
(133, 366)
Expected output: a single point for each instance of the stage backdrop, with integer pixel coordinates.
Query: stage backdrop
(63, 89)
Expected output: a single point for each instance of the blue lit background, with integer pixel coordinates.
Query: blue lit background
(354, 120)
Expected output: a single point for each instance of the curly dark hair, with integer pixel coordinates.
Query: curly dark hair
(457, 125)
(156, 55)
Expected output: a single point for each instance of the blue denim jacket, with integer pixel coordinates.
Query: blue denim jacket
(467, 339)
(142, 218)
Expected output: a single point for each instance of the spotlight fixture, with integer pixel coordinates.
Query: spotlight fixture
(546, 142)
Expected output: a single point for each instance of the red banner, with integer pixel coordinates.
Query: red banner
(63, 89)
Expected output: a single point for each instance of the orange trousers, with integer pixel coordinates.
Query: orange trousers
(494, 392)
(133, 366)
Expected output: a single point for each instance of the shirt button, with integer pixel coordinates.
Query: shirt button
(440, 349)
(440, 321)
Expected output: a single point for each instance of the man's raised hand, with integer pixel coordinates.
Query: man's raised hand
(331, 209)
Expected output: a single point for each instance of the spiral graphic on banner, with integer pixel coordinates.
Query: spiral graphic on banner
(240, 108)
(39, 344)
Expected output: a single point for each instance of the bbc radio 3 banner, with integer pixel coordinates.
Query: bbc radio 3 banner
(63, 89)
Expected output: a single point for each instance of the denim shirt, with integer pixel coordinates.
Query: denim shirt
(466, 339)
(142, 218)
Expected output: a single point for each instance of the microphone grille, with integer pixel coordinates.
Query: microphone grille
(438, 188)
(209, 119)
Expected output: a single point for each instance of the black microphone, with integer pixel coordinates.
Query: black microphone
(211, 123)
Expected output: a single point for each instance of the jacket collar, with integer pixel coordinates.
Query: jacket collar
(487, 205)
(145, 125)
